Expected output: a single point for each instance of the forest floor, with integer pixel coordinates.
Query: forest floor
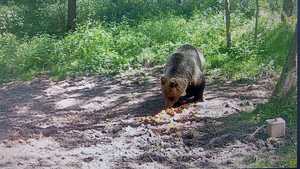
(102, 122)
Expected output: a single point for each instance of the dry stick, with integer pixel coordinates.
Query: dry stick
(151, 158)
(235, 108)
(259, 128)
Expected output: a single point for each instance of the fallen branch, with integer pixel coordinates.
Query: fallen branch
(235, 108)
(251, 136)
(256, 131)
(151, 158)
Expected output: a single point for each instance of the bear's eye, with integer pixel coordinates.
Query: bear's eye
(173, 84)
(163, 80)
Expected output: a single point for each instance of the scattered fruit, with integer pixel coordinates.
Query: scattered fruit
(154, 120)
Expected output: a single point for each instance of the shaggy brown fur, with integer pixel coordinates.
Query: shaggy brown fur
(183, 75)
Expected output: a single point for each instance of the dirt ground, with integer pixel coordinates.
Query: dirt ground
(101, 122)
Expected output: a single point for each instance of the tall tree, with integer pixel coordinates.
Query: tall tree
(273, 5)
(288, 78)
(227, 22)
(287, 9)
(71, 14)
(256, 21)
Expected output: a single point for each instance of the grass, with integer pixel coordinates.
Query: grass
(287, 158)
(286, 155)
(30, 46)
(102, 48)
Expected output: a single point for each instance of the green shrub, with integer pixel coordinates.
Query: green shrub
(37, 53)
(8, 56)
(110, 48)
(161, 30)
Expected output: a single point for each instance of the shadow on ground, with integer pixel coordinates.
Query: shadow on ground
(104, 114)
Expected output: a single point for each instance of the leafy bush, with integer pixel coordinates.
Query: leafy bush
(30, 18)
(110, 48)
(8, 62)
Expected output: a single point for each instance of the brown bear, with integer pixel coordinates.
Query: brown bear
(183, 75)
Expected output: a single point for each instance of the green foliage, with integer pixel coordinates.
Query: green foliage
(88, 50)
(30, 45)
(116, 35)
(8, 56)
(286, 154)
(136, 10)
(285, 108)
(277, 41)
(33, 17)
(163, 30)
(276, 107)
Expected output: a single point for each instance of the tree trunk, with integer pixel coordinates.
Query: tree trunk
(227, 22)
(287, 9)
(256, 21)
(71, 14)
(288, 79)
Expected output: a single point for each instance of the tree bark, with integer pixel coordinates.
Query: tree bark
(288, 79)
(256, 21)
(287, 9)
(71, 14)
(227, 22)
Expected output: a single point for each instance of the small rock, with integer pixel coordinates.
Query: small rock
(270, 146)
(258, 144)
(188, 135)
(229, 162)
(88, 159)
(248, 103)
(208, 156)
(272, 140)
(237, 142)
(276, 142)
(8, 145)
(21, 141)
(116, 129)
(201, 149)
(47, 132)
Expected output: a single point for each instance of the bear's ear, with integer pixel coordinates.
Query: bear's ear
(163, 80)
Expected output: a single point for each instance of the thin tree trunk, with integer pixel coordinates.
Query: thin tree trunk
(62, 15)
(287, 9)
(71, 14)
(227, 22)
(288, 78)
(256, 21)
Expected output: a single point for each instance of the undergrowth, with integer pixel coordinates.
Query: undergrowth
(102, 48)
(285, 108)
